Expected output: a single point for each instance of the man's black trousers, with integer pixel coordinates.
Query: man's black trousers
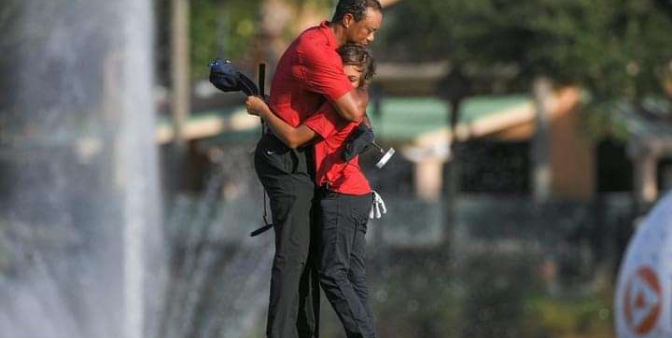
(287, 175)
(342, 260)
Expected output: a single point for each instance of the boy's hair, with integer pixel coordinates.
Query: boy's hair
(355, 7)
(360, 56)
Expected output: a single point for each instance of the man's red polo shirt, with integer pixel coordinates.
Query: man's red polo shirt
(309, 71)
(341, 177)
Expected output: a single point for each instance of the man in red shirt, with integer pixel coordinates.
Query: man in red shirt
(309, 73)
(345, 198)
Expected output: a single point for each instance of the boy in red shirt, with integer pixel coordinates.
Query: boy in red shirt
(345, 200)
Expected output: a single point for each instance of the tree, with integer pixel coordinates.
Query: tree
(614, 49)
(248, 31)
(220, 28)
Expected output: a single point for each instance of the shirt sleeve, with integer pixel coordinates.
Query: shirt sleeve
(322, 71)
(325, 122)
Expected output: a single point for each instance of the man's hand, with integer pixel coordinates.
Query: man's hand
(255, 105)
(367, 122)
(359, 138)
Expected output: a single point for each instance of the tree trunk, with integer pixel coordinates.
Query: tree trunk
(180, 100)
(539, 150)
(452, 172)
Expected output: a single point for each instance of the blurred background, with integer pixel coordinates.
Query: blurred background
(532, 138)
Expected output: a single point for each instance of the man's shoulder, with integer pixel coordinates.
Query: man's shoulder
(313, 37)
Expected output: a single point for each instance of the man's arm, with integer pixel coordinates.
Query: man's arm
(352, 105)
(322, 73)
(292, 137)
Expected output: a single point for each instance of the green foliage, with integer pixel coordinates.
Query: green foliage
(614, 49)
(583, 316)
(220, 29)
(316, 3)
(614, 46)
(607, 119)
(226, 28)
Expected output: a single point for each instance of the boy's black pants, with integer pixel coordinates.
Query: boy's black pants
(287, 175)
(342, 260)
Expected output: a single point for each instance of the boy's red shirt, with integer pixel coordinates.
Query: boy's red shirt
(331, 168)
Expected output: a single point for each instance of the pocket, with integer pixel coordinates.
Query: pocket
(363, 211)
(361, 219)
(272, 155)
(363, 225)
(329, 217)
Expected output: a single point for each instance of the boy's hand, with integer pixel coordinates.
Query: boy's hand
(255, 105)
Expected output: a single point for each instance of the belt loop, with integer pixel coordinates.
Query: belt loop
(323, 189)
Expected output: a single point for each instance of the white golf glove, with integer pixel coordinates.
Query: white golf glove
(377, 207)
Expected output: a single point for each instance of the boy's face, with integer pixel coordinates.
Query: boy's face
(354, 74)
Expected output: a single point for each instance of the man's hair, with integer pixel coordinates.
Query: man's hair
(359, 56)
(355, 7)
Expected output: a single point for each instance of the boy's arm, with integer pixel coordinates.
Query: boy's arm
(292, 137)
(326, 121)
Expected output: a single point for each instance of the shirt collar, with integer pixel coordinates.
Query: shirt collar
(329, 33)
